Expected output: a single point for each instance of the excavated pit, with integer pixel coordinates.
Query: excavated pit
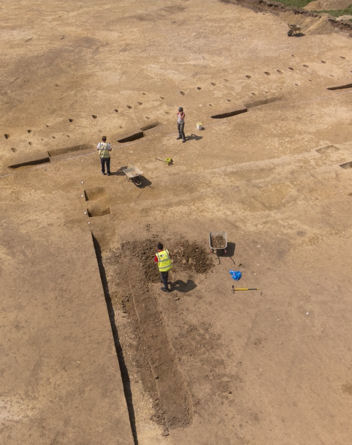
(131, 273)
(346, 165)
(229, 113)
(150, 126)
(98, 210)
(340, 87)
(31, 160)
(94, 193)
(130, 137)
(265, 101)
(64, 150)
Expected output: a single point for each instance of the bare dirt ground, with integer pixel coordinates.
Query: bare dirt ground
(202, 364)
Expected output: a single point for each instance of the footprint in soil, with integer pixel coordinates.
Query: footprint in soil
(323, 61)
(13, 149)
(253, 94)
(228, 100)
(342, 57)
(70, 120)
(94, 116)
(67, 135)
(53, 137)
(147, 117)
(213, 83)
(267, 73)
(6, 135)
(29, 143)
(116, 110)
(182, 93)
(226, 80)
(129, 106)
(279, 71)
(29, 131)
(144, 93)
(210, 105)
(166, 112)
(290, 68)
(162, 97)
(140, 103)
(248, 76)
(199, 88)
(305, 66)
(47, 126)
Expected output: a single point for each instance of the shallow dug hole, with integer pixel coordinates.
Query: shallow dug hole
(229, 113)
(94, 193)
(346, 165)
(130, 272)
(98, 210)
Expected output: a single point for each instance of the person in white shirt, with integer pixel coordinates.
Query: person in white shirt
(104, 149)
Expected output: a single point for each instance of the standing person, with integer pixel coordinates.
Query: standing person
(162, 257)
(181, 124)
(104, 149)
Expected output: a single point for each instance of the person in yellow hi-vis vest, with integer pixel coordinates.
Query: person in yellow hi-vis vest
(104, 149)
(162, 257)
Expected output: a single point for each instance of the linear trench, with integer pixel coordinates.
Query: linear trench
(122, 365)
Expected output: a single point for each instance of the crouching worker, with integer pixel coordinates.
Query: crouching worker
(162, 257)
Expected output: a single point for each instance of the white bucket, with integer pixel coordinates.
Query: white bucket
(199, 126)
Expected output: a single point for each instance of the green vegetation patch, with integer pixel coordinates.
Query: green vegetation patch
(338, 12)
(298, 4)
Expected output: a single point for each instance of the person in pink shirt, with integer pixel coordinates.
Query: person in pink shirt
(181, 124)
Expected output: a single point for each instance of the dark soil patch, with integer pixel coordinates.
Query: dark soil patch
(130, 270)
(191, 256)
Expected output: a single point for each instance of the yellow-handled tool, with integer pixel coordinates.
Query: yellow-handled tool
(234, 289)
(169, 161)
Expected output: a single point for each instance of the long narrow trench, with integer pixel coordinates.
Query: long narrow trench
(122, 365)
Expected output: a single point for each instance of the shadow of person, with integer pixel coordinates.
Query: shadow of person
(183, 286)
(193, 137)
(119, 172)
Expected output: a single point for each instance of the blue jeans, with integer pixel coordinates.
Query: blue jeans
(105, 161)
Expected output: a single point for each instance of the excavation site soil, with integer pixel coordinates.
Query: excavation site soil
(131, 271)
(94, 350)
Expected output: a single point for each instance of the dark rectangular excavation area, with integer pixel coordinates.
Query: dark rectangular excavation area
(341, 87)
(131, 137)
(229, 113)
(73, 148)
(34, 161)
(150, 126)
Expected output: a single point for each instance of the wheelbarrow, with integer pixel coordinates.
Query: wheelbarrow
(133, 174)
(218, 243)
(294, 31)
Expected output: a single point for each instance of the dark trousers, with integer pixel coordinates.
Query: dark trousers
(164, 278)
(105, 162)
(181, 130)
